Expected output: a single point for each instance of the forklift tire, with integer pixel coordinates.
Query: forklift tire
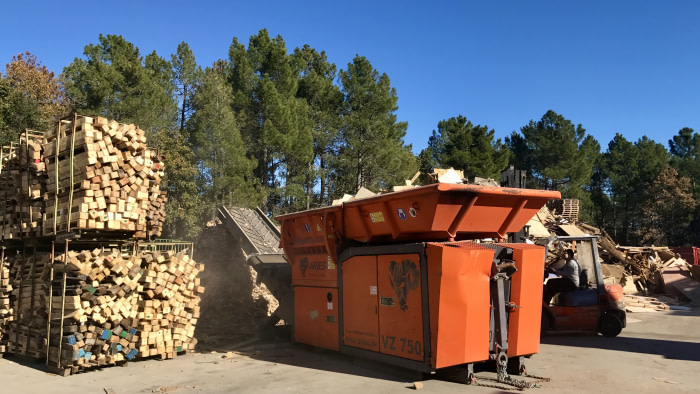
(609, 325)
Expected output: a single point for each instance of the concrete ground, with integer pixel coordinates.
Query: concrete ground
(658, 352)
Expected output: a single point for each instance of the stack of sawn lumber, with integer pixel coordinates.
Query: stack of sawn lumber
(105, 306)
(102, 176)
(22, 185)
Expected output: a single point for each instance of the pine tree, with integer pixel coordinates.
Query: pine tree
(372, 153)
(115, 81)
(461, 145)
(226, 170)
(325, 101)
(275, 123)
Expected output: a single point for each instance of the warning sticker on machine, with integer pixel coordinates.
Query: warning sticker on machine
(373, 290)
(387, 301)
(376, 217)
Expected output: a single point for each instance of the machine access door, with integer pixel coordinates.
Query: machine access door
(400, 305)
(383, 304)
(360, 309)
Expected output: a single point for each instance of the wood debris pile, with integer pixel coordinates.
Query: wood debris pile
(644, 270)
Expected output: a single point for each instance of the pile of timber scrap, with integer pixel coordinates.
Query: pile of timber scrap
(104, 306)
(635, 303)
(22, 184)
(101, 176)
(6, 313)
(644, 269)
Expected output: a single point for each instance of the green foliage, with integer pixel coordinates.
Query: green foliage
(325, 101)
(115, 81)
(226, 172)
(30, 97)
(685, 156)
(629, 169)
(557, 155)
(463, 146)
(666, 215)
(185, 208)
(187, 76)
(275, 123)
(371, 153)
(17, 112)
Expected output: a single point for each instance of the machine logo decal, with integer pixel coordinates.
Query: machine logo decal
(306, 226)
(401, 213)
(303, 265)
(404, 277)
(412, 212)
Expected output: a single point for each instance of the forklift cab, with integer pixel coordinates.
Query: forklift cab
(594, 306)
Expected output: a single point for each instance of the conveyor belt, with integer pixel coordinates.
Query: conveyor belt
(257, 234)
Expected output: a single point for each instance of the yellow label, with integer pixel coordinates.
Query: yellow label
(318, 228)
(376, 217)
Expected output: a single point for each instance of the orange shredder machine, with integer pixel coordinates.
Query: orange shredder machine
(396, 278)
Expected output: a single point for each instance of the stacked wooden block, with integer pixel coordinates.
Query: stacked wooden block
(119, 307)
(6, 311)
(22, 184)
(169, 303)
(101, 176)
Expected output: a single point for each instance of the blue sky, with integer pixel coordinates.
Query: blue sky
(629, 67)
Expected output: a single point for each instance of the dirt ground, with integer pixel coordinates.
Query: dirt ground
(657, 352)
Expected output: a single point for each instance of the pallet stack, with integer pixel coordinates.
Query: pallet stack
(30, 284)
(565, 207)
(6, 311)
(22, 185)
(94, 182)
(118, 307)
(101, 177)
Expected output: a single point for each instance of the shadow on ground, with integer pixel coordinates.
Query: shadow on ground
(677, 350)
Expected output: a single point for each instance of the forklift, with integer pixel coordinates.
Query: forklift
(594, 306)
